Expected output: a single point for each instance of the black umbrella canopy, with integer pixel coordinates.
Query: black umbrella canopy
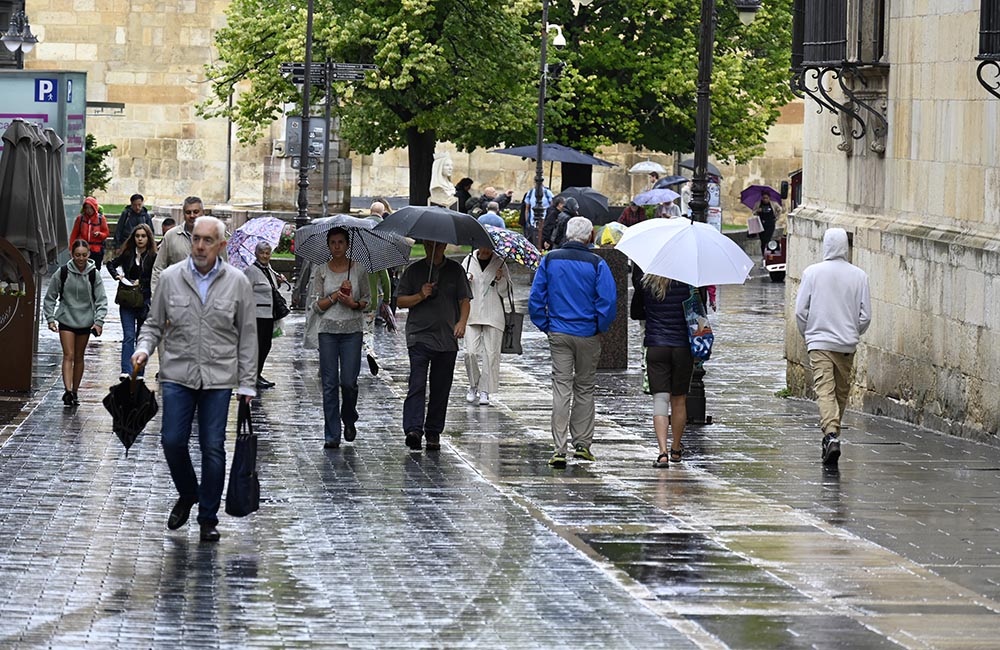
(709, 167)
(557, 153)
(593, 204)
(434, 223)
(131, 405)
(667, 181)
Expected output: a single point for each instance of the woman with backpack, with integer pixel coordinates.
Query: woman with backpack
(75, 306)
(91, 227)
(134, 271)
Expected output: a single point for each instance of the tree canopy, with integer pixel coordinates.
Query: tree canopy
(466, 71)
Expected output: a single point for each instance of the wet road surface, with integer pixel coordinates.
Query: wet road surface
(748, 544)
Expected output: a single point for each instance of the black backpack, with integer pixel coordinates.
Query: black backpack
(64, 273)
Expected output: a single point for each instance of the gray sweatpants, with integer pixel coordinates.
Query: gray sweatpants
(574, 374)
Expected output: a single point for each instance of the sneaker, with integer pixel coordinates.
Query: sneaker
(372, 363)
(413, 440)
(484, 399)
(584, 453)
(472, 396)
(831, 449)
(558, 461)
(122, 376)
(433, 441)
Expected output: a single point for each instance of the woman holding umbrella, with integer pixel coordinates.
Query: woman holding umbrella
(134, 266)
(340, 295)
(768, 211)
(75, 306)
(489, 280)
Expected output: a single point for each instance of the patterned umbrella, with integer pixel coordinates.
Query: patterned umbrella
(375, 250)
(243, 242)
(514, 247)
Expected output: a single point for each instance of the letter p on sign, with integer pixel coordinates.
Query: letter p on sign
(46, 90)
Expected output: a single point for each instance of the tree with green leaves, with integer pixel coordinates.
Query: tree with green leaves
(466, 71)
(96, 173)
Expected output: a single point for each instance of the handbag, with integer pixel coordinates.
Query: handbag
(699, 329)
(243, 492)
(279, 307)
(754, 225)
(513, 325)
(130, 296)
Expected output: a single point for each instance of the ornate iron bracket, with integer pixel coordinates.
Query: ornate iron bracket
(800, 86)
(811, 81)
(879, 125)
(993, 87)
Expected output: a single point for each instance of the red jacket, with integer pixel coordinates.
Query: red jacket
(93, 230)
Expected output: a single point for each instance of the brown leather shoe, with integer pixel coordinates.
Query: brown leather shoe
(209, 533)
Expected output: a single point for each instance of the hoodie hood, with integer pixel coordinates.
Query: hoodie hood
(92, 202)
(71, 265)
(835, 244)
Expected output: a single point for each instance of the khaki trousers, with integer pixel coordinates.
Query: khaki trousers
(574, 375)
(832, 383)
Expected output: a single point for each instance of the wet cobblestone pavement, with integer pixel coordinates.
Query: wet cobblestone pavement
(749, 544)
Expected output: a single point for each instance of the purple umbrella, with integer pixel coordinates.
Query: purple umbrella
(750, 197)
(243, 242)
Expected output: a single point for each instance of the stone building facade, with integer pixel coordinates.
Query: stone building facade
(918, 191)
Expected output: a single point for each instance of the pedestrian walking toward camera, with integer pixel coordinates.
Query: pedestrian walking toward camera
(75, 306)
(437, 293)
(768, 211)
(264, 281)
(133, 268)
(489, 281)
(573, 299)
(203, 312)
(832, 311)
(669, 362)
(176, 244)
(340, 293)
(91, 227)
(133, 215)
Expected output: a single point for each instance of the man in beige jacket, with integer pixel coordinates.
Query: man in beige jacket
(204, 313)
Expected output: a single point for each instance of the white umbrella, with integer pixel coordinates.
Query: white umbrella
(690, 252)
(647, 166)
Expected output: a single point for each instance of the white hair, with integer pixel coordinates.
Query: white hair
(262, 246)
(377, 208)
(220, 228)
(579, 229)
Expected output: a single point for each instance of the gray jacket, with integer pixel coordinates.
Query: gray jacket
(261, 291)
(211, 345)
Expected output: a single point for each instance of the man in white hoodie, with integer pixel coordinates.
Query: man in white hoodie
(832, 311)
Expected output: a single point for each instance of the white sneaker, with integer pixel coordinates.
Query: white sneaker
(484, 399)
(471, 396)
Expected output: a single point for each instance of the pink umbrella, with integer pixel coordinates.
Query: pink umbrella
(243, 242)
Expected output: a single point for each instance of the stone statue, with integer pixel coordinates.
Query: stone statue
(442, 189)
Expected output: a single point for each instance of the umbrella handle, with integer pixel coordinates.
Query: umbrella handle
(132, 376)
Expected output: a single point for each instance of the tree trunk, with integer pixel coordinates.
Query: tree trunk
(421, 155)
(577, 175)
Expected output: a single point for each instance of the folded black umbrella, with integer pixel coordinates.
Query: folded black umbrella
(131, 405)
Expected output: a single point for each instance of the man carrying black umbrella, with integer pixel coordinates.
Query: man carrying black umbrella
(437, 293)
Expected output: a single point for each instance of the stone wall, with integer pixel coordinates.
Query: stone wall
(925, 221)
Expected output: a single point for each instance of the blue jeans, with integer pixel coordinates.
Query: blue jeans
(131, 322)
(179, 404)
(339, 367)
(442, 372)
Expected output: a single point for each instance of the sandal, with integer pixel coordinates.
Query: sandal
(675, 454)
(662, 461)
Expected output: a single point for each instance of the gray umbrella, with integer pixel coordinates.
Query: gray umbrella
(57, 211)
(20, 193)
(556, 152)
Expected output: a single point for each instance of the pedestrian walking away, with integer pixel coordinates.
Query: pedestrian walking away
(340, 293)
(437, 293)
(669, 362)
(133, 215)
(832, 311)
(203, 313)
(133, 269)
(265, 281)
(572, 300)
(768, 211)
(91, 227)
(75, 306)
(489, 281)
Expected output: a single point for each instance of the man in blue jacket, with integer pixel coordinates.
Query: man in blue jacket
(572, 301)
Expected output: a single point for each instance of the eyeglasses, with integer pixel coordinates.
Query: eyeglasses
(192, 211)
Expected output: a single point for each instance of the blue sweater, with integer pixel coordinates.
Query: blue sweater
(665, 322)
(573, 292)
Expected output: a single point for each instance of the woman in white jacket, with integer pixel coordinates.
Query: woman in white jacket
(484, 334)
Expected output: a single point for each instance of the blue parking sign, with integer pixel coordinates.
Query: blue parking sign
(46, 90)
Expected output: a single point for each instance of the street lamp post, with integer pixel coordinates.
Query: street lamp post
(699, 184)
(18, 38)
(302, 217)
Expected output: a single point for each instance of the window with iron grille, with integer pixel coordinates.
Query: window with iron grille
(827, 33)
(868, 29)
(989, 30)
(824, 39)
(798, 25)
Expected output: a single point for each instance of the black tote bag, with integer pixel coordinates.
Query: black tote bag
(243, 492)
(513, 324)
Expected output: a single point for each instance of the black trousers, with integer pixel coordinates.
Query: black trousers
(265, 328)
(421, 412)
(766, 234)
